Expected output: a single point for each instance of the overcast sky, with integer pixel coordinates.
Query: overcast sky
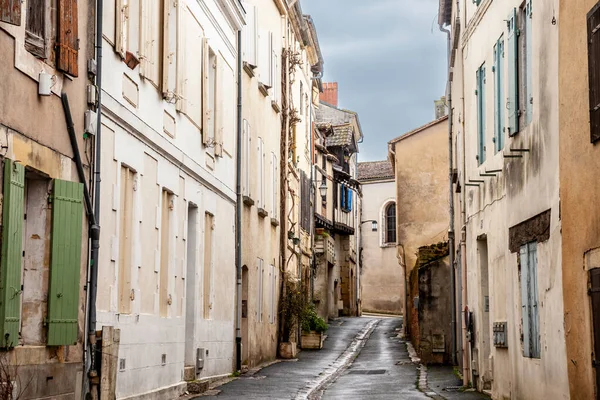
(389, 59)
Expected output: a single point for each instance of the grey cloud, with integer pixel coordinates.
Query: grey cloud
(389, 58)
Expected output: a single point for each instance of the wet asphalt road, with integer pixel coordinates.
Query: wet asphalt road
(378, 367)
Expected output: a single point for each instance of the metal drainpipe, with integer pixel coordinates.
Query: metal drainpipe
(239, 210)
(451, 200)
(95, 228)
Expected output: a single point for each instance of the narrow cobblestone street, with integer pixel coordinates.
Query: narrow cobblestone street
(363, 358)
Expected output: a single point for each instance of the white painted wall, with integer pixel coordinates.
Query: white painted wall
(189, 170)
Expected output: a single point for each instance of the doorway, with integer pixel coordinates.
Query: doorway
(484, 284)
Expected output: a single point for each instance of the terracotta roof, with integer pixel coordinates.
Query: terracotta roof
(375, 170)
(419, 129)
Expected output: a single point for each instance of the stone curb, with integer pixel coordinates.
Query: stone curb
(421, 374)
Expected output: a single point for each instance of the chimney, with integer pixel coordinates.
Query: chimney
(330, 93)
(440, 107)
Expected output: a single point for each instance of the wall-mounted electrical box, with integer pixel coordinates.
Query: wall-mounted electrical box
(500, 334)
(199, 359)
(89, 121)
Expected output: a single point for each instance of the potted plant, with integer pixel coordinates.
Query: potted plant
(313, 329)
(292, 306)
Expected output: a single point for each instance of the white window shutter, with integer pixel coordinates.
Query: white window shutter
(250, 35)
(265, 62)
(122, 26)
(219, 103)
(205, 90)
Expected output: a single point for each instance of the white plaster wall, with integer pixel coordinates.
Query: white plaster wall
(525, 188)
(129, 134)
(381, 274)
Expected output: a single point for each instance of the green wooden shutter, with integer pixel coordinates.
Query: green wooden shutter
(499, 93)
(12, 253)
(65, 262)
(513, 74)
(528, 63)
(525, 306)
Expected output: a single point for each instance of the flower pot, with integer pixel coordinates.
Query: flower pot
(287, 350)
(312, 340)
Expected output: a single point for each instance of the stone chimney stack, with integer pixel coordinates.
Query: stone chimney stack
(330, 93)
(440, 107)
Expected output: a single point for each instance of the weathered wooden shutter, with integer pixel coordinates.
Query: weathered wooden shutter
(525, 306)
(481, 114)
(219, 105)
(499, 93)
(68, 39)
(513, 74)
(12, 253)
(205, 91)
(349, 197)
(533, 301)
(594, 293)
(65, 262)
(10, 12)
(529, 61)
(593, 26)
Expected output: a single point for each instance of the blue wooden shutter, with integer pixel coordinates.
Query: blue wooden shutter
(513, 74)
(534, 323)
(12, 253)
(65, 262)
(480, 76)
(525, 307)
(529, 62)
(499, 93)
(343, 203)
(349, 197)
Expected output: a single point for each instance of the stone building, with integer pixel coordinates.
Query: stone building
(167, 276)
(504, 96)
(45, 221)
(336, 285)
(382, 279)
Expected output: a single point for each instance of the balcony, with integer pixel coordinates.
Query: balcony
(343, 222)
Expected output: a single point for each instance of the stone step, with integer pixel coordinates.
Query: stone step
(189, 373)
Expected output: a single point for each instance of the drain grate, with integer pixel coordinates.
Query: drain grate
(367, 372)
(452, 388)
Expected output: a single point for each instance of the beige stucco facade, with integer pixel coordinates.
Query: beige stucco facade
(33, 134)
(507, 200)
(578, 196)
(420, 162)
(382, 278)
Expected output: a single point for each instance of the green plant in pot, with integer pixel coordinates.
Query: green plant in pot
(292, 307)
(312, 322)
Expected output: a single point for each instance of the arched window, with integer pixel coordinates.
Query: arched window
(390, 223)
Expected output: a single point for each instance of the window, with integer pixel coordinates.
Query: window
(151, 40)
(209, 125)
(481, 114)
(520, 75)
(305, 199)
(261, 280)
(499, 94)
(36, 28)
(389, 223)
(529, 300)
(265, 52)
(189, 80)
(593, 20)
(346, 196)
(301, 110)
(66, 203)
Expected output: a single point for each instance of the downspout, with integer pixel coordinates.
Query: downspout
(451, 243)
(238, 211)
(463, 242)
(95, 228)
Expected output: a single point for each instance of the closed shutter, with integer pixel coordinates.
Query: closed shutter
(169, 50)
(499, 93)
(525, 306)
(65, 262)
(68, 40)
(10, 11)
(593, 25)
(218, 104)
(481, 114)
(343, 203)
(533, 301)
(246, 158)
(513, 74)
(250, 34)
(529, 61)
(12, 253)
(261, 168)
(205, 91)
(349, 197)
(122, 27)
